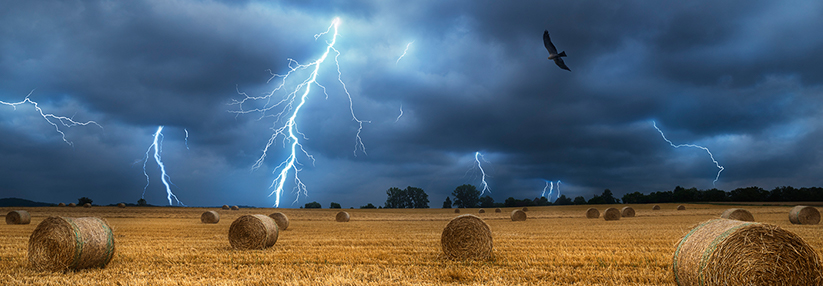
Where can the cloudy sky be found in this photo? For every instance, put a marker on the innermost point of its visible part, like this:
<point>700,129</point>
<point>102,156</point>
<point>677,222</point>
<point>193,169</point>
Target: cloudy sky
<point>742,78</point>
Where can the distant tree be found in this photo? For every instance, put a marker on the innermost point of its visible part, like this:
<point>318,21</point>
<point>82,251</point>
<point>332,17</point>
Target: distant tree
<point>486,202</point>
<point>609,198</point>
<point>447,204</point>
<point>334,205</point>
<point>411,197</point>
<point>466,196</point>
<point>83,201</point>
<point>369,206</point>
<point>749,194</point>
<point>563,200</point>
<point>141,202</point>
<point>510,202</point>
<point>543,201</point>
<point>395,198</point>
<point>579,200</point>
<point>635,198</point>
<point>313,205</point>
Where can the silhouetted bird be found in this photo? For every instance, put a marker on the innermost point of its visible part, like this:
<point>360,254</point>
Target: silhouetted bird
<point>553,55</point>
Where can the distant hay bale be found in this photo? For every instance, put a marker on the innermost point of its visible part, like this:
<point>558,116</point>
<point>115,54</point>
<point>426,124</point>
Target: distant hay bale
<point>281,219</point>
<point>210,217</point>
<point>457,211</point>
<point>611,214</point>
<point>61,205</point>
<point>737,214</point>
<point>234,208</point>
<point>525,209</point>
<point>253,232</point>
<point>498,210</point>
<point>482,211</point>
<point>226,207</point>
<point>467,237</point>
<point>121,205</point>
<point>804,215</point>
<point>681,208</point>
<point>18,217</point>
<point>72,204</point>
<point>87,205</point>
<point>518,215</point>
<point>63,243</point>
<point>627,212</point>
<point>592,213</point>
<point>342,217</point>
<point>732,252</point>
<point>656,208</point>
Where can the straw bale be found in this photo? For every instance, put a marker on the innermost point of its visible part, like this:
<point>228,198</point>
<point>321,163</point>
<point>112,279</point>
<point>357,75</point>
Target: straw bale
<point>681,208</point>
<point>737,214</point>
<point>63,243</point>
<point>656,208</point>
<point>804,215</point>
<point>18,217</point>
<point>253,232</point>
<point>467,237</point>
<point>627,212</point>
<point>592,213</point>
<point>732,252</point>
<point>518,215</point>
<point>482,211</point>
<point>121,205</point>
<point>498,210</point>
<point>226,207</point>
<point>61,205</point>
<point>342,217</point>
<point>210,217</point>
<point>456,210</point>
<point>72,204</point>
<point>611,214</point>
<point>87,205</point>
<point>234,208</point>
<point>281,219</point>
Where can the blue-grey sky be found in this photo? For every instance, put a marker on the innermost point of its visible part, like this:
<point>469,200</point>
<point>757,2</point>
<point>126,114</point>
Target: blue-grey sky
<point>742,78</point>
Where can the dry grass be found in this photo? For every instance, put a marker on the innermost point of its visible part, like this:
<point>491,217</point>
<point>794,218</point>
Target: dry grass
<point>555,246</point>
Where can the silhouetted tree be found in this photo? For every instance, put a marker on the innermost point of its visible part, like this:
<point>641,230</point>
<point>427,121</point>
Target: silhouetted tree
<point>486,202</point>
<point>608,197</point>
<point>578,200</point>
<point>466,196</point>
<point>334,205</point>
<point>369,206</point>
<point>447,204</point>
<point>83,201</point>
<point>141,202</point>
<point>410,197</point>
<point>563,200</point>
<point>313,205</point>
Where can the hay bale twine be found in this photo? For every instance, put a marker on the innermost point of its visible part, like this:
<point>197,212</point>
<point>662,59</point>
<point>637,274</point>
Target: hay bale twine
<point>63,243</point>
<point>281,219</point>
<point>226,207</point>
<point>61,205</point>
<point>627,212</point>
<point>210,217</point>
<point>467,237</point>
<point>592,213</point>
<point>681,208</point>
<point>87,205</point>
<point>72,204</point>
<point>342,217</point>
<point>498,210</point>
<point>253,232</point>
<point>482,211</point>
<point>18,217</point>
<point>804,215</point>
<point>611,214</point>
<point>518,215</point>
<point>234,208</point>
<point>121,205</point>
<point>737,214</point>
<point>732,252</point>
<point>525,209</point>
<point>457,211</point>
<point>656,208</point>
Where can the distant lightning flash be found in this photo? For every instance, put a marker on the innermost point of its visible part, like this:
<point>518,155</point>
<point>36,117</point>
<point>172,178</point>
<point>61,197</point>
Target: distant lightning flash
<point>65,121</point>
<point>401,114</point>
<point>157,145</point>
<point>187,138</point>
<point>404,52</point>
<point>477,157</point>
<point>720,168</point>
<point>287,114</point>
<point>550,186</point>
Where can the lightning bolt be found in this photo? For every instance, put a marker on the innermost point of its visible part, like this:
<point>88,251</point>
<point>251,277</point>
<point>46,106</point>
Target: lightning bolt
<point>720,168</point>
<point>485,185</point>
<point>558,190</point>
<point>65,121</point>
<point>404,52</point>
<point>286,110</point>
<point>187,138</point>
<point>157,145</point>
<point>550,186</point>
<point>401,114</point>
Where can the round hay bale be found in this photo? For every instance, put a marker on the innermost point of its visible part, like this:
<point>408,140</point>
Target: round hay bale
<point>525,209</point>
<point>226,207</point>
<point>627,212</point>
<point>737,214</point>
<point>681,208</point>
<point>518,215</point>
<point>592,213</point>
<point>210,217</point>
<point>467,237</point>
<point>121,205</point>
<point>732,252</point>
<point>498,210</point>
<point>72,204</point>
<point>253,232</point>
<point>656,208</point>
<point>457,211</point>
<point>482,211</point>
<point>342,217</point>
<point>804,215</point>
<point>63,243</point>
<point>87,205</point>
<point>611,214</point>
<point>18,217</point>
<point>61,205</point>
<point>281,219</point>
<point>234,208</point>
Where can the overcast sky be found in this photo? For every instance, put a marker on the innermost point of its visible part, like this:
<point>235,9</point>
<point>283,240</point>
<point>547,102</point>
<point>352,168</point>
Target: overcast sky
<point>742,78</point>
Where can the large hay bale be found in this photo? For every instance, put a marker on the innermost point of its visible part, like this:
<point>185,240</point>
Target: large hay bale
<point>342,217</point>
<point>611,214</point>
<point>63,243</point>
<point>61,205</point>
<point>457,211</point>
<point>226,207</point>
<point>627,212</point>
<point>656,208</point>
<point>737,214</point>
<point>87,205</point>
<point>72,204</point>
<point>467,237</point>
<point>498,210</point>
<point>482,211</point>
<point>592,213</point>
<point>234,208</point>
<point>732,252</point>
<point>18,217</point>
<point>253,232</point>
<point>518,215</point>
<point>281,219</point>
<point>681,208</point>
<point>121,205</point>
<point>210,217</point>
<point>804,215</point>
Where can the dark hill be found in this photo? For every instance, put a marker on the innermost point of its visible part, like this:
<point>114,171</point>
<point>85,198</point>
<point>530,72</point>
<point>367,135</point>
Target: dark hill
<point>15,202</point>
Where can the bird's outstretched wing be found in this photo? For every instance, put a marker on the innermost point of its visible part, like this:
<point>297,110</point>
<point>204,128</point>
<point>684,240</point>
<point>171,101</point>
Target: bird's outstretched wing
<point>548,43</point>
<point>561,64</point>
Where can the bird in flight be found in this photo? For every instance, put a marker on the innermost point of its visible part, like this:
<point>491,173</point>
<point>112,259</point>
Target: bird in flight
<point>553,55</point>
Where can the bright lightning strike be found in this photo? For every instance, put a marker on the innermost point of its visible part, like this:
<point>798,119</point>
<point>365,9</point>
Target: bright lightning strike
<point>550,187</point>
<point>286,110</point>
<point>187,138</point>
<point>485,185</point>
<point>404,52</point>
<point>720,168</point>
<point>401,114</point>
<point>157,145</point>
<point>65,121</point>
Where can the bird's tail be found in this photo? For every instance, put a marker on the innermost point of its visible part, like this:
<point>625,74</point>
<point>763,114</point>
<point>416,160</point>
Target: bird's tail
<point>562,54</point>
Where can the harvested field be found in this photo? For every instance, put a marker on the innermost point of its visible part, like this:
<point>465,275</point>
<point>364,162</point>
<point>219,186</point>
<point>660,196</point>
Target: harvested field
<point>170,246</point>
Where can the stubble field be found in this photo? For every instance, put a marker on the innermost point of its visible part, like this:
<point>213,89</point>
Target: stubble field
<point>556,245</point>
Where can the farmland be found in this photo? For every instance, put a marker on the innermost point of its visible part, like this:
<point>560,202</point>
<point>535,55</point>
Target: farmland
<point>555,245</point>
